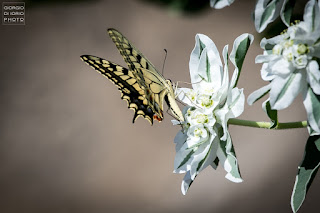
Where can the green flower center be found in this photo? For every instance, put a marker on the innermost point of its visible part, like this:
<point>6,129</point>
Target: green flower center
<point>202,118</point>
<point>206,101</point>
<point>302,49</point>
<point>197,132</point>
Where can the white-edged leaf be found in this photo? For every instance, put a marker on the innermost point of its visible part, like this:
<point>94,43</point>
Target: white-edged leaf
<point>286,11</point>
<point>258,94</point>
<point>205,60</point>
<point>312,16</point>
<point>311,103</point>
<point>228,159</point>
<point>233,108</point>
<point>186,183</point>
<point>306,172</point>
<point>265,12</point>
<point>272,114</point>
<point>201,161</point>
<point>312,132</point>
<point>219,4</point>
<point>285,90</point>
<point>239,50</point>
<point>313,76</point>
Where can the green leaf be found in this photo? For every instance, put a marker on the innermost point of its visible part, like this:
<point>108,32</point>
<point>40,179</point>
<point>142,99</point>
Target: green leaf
<point>286,11</point>
<point>306,172</point>
<point>272,114</point>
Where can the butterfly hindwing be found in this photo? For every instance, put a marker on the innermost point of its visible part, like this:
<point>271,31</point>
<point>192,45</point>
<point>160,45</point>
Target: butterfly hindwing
<point>130,90</point>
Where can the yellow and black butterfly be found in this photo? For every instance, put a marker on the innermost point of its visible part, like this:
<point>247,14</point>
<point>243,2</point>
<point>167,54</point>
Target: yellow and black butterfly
<point>142,86</point>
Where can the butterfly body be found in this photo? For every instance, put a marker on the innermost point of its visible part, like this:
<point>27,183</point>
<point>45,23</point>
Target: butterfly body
<point>142,86</point>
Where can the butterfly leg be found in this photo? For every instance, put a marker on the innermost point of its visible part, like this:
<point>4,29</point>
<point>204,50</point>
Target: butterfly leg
<point>176,85</point>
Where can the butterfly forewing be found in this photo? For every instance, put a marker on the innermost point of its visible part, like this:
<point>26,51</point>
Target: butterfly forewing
<point>127,83</point>
<point>132,56</point>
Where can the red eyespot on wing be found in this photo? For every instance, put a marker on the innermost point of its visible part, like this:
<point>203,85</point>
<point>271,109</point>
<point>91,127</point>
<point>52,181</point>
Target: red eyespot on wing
<point>156,117</point>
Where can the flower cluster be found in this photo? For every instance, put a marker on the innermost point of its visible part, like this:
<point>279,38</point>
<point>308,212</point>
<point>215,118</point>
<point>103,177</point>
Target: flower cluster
<point>212,101</point>
<point>290,65</point>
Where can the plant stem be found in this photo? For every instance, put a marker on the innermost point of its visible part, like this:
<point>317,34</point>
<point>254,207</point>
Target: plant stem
<point>267,125</point>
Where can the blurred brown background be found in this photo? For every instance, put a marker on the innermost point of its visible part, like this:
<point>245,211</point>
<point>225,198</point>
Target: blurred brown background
<point>67,139</point>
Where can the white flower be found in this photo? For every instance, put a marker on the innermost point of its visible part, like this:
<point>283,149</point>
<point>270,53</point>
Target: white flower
<point>289,64</point>
<point>212,101</point>
<point>197,116</point>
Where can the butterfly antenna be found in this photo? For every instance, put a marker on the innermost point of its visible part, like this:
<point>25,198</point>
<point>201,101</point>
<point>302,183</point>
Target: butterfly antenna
<point>165,58</point>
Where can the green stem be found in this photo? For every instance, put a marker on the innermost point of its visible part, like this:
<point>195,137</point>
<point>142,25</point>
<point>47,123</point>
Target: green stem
<point>267,125</point>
